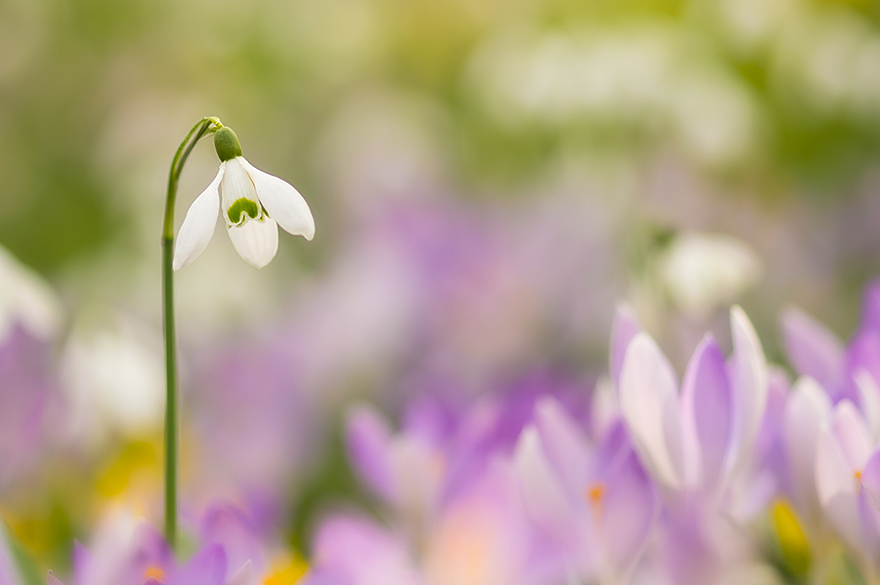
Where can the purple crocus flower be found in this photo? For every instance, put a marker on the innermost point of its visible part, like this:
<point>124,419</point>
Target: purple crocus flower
<point>479,537</point>
<point>850,371</point>
<point>352,550</point>
<point>595,502</point>
<point>26,393</point>
<point>848,482</point>
<point>698,441</point>
<point>126,551</point>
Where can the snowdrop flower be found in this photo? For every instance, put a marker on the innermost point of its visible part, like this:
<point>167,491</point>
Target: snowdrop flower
<point>252,203</point>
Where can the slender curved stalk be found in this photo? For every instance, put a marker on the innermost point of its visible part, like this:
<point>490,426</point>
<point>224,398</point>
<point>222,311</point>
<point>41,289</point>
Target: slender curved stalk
<point>204,127</point>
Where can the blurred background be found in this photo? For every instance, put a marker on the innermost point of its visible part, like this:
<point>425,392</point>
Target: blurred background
<point>488,178</point>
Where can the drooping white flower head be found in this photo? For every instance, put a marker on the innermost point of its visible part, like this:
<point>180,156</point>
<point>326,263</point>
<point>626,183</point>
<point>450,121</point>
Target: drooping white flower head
<point>253,204</point>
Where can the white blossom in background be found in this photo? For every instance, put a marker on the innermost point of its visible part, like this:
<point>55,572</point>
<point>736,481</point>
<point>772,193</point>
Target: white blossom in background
<point>641,75</point>
<point>26,300</point>
<point>113,376</point>
<point>702,272</point>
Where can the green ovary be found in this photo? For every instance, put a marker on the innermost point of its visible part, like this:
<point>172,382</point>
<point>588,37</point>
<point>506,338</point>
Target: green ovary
<point>240,207</point>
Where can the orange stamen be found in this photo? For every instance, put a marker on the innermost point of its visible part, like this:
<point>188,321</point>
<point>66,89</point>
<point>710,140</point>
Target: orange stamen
<point>155,573</point>
<point>595,493</point>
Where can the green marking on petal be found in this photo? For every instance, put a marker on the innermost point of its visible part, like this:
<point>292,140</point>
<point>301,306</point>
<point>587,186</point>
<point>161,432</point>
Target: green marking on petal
<point>240,207</point>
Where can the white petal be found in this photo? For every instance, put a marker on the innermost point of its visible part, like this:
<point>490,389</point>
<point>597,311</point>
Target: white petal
<point>836,489</point>
<point>255,241</point>
<point>649,404</point>
<point>852,433</point>
<point>198,225</point>
<point>563,442</point>
<point>806,410</point>
<point>284,203</point>
<point>236,184</point>
<point>542,493</point>
<point>833,473</point>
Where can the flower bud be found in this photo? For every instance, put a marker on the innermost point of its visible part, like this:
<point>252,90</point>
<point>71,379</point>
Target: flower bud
<point>226,144</point>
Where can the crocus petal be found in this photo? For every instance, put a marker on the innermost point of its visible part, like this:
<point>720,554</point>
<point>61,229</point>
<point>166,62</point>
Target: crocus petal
<point>869,495</point>
<point>368,439</point>
<point>869,399</point>
<point>749,380</point>
<point>836,489</point>
<point>707,410</point>
<point>842,511</point>
<point>255,241</point>
<point>198,225</point>
<point>604,408</point>
<point>649,403</point>
<point>806,411</point>
<point>871,306</point>
<point>564,443</point>
<point>543,495</point>
<point>813,349</point>
<point>624,329</point>
<point>852,433</point>
<point>207,567</point>
<point>51,579</point>
<point>629,509</point>
<point>243,576</point>
<point>360,551</point>
<point>862,353</point>
<point>833,473</point>
<point>228,526</point>
<point>284,203</point>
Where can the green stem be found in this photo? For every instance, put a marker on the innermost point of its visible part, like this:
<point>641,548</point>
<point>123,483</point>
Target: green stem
<point>204,127</point>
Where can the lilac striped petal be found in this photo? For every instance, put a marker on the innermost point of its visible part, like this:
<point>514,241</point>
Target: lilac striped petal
<point>814,350</point>
<point>749,386</point>
<point>649,404</point>
<point>52,580</point>
<point>707,411</point>
<point>368,439</point>
<point>625,327</point>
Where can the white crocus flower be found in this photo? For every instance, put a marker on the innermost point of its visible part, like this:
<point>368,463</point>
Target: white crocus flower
<point>253,204</point>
